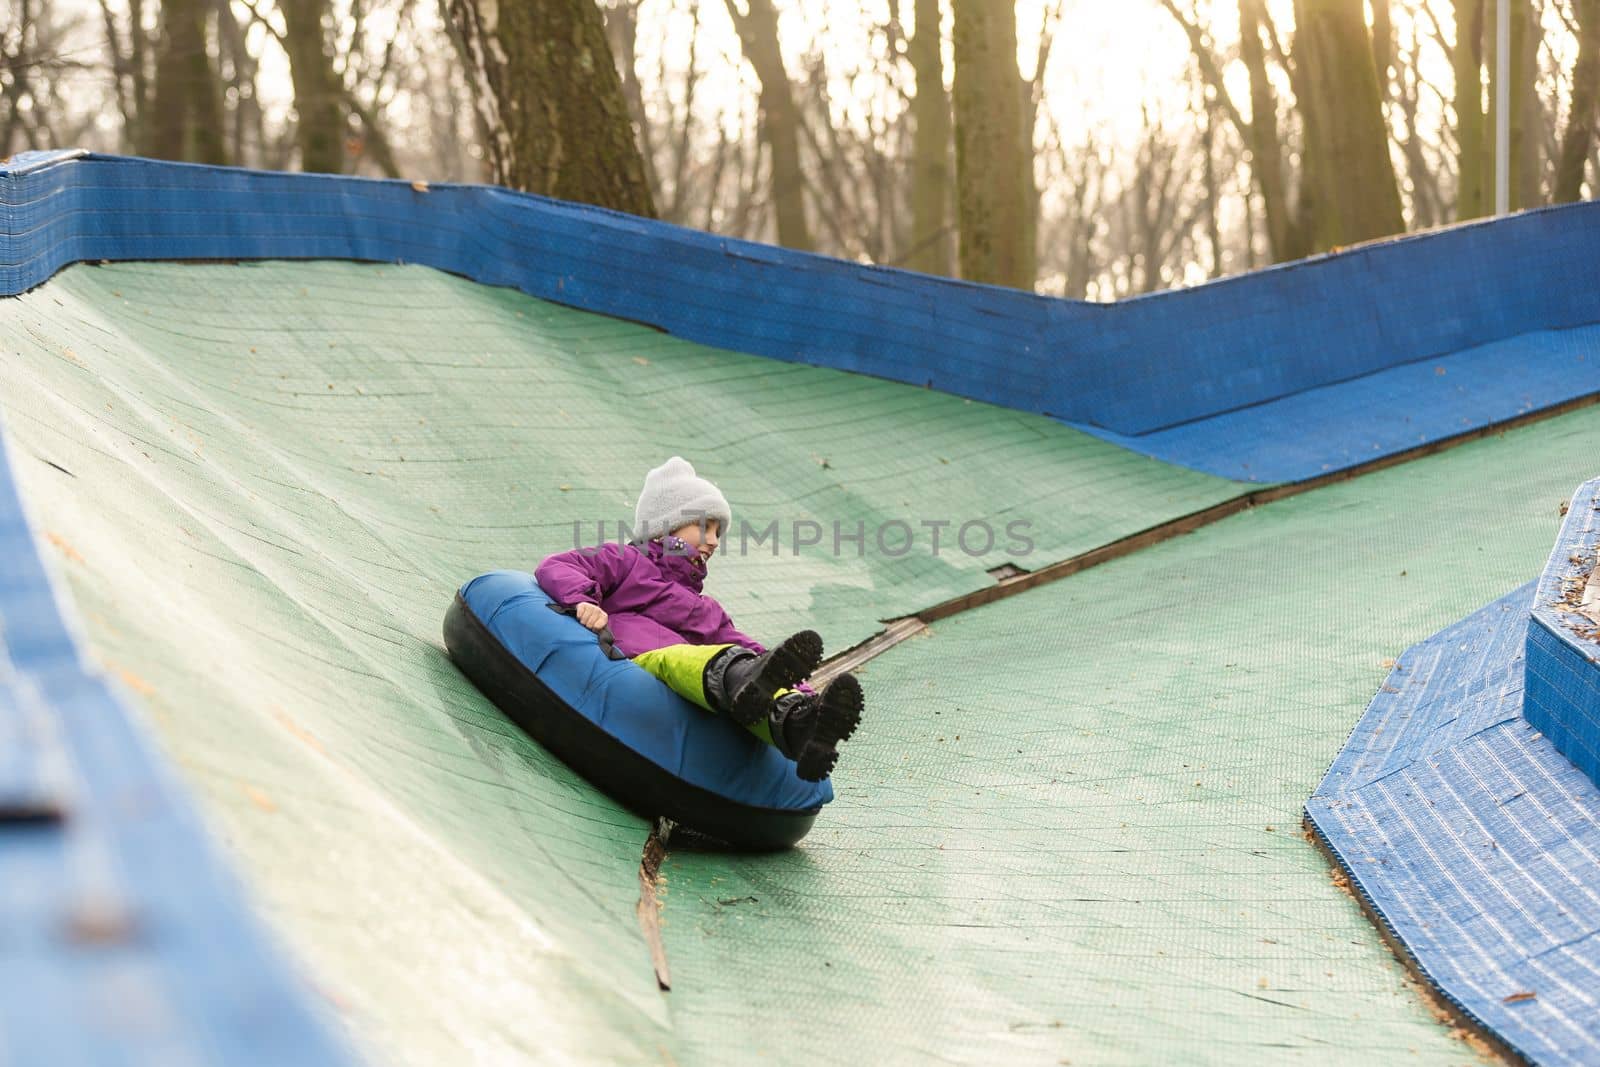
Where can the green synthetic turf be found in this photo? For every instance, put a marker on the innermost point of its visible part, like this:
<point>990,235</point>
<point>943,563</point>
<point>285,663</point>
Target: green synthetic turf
<point>1072,826</point>
<point>1051,840</point>
<point>470,427</point>
<point>264,482</point>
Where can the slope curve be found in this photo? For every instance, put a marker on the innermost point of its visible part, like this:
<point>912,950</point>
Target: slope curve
<point>263,483</point>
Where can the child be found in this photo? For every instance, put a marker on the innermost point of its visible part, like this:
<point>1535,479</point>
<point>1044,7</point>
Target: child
<point>648,593</point>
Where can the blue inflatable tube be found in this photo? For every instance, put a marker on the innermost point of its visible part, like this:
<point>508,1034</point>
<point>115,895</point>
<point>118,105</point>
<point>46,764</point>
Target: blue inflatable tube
<point>618,725</point>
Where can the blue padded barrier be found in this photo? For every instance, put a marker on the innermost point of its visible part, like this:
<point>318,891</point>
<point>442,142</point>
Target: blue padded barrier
<point>1331,427</point>
<point>123,938</point>
<point>35,774</point>
<point>1564,638</point>
<point>1350,338</point>
<point>1474,841</point>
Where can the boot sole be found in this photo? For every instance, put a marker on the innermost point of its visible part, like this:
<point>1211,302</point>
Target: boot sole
<point>837,719</point>
<point>787,664</point>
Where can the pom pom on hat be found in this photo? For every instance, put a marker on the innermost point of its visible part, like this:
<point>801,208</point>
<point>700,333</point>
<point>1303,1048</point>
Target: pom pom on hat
<point>675,496</point>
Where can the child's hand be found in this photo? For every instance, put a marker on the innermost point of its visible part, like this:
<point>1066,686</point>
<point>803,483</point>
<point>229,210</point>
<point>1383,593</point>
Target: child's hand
<point>591,616</point>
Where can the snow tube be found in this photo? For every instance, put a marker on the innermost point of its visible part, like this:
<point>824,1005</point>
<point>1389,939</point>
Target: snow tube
<point>618,725</point>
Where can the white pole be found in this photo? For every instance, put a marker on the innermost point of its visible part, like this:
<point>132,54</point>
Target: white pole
<point>1502,109</point>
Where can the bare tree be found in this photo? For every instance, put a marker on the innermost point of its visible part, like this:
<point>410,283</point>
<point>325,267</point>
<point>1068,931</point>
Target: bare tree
<point>757,26</point>
<point>1577,141</point>
<point>1211,186</point>
<point>1149,208</point>
<point>44,68</point>
<point>20,59</point>
<point>700,174</point>
<point>855,220</point>
<point>1288,230</point>
<point>1072,232</point>
<point>188,118</point>
<point>932,180</point>
<point>1347,143</point>
<point>319,97</point>
<point>1288,218</point>
<point>1473,161</point>
<point>556,117</point>
<point>1422,172</point>
<point>994,154</point>
<point>368,79</point>
<point>1383,44</point>
<point>129,49</point>
<point>1527,113</point>
<point>622,31</point>
<point>238,67</point>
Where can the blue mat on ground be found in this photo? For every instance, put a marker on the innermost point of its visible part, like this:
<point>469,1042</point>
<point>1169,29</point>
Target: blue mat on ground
<point>125,940</point>
<point>1475,841</point>
<point>1332,427</point>
<point>1279,375</point>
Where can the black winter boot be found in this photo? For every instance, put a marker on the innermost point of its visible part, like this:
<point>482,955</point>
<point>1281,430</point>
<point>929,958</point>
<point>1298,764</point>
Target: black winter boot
<point>741,683</point>
<point>809,729</point>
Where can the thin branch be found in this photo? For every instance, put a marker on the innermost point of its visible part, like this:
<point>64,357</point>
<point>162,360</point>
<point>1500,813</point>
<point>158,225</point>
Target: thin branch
<point>1210,69</point>
<point>257,18</point>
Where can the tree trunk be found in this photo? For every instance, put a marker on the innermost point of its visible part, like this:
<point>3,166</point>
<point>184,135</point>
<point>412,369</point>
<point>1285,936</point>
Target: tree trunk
<point>127,71</point>
<point>1382,44</point>
<point>1579,136</point>
<point>1213,195</point>
<point>246,123</point>
<point>1527,113</point>
<point>1347,149</point>
<point>15,38</point>
<point>780,118</point>
<point>318,94</point>
<point>932,187</point>
<point>1032,90</point>
<point>547,90</point>
<point>374,141</point>
<point>188,123</point>
<point>1472,191</point>
<point>622,30</point>
<point>993,156</point>
<point>138,53</point>
<point>1261,137</point>
<point>1425,213</point>
<point>1032,200</point>
<point>1250,261</point>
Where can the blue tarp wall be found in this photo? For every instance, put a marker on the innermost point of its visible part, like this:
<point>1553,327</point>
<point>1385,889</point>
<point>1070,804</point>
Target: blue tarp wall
<point>1199,377</point>
<point>1473,840</point>
<point>123,937</point>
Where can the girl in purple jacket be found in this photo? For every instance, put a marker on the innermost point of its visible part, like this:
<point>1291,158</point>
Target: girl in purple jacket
<point>647,595</point>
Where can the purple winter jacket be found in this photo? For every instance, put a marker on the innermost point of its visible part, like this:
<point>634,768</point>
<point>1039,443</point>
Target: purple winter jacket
<point>651,596</point>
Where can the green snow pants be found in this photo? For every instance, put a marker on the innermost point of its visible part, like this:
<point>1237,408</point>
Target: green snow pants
<point>683,669</point>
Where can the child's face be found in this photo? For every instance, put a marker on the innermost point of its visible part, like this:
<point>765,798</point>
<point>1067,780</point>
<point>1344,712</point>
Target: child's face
<point>702,536</point>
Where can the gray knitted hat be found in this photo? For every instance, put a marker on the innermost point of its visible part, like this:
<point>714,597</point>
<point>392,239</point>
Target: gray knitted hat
<point>675,496</point>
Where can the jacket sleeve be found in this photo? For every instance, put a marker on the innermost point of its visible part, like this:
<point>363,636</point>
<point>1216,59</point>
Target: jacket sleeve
<point>696,616</point>
<point>582,575</point>
<point>725,633</point>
